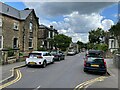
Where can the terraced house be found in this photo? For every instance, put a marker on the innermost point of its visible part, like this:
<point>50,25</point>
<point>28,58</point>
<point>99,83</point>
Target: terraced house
<point>45,34</point>
<point>18,28</point>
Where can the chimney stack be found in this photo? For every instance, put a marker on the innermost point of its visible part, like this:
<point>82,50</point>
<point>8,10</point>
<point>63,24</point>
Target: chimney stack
<point>51,27</point>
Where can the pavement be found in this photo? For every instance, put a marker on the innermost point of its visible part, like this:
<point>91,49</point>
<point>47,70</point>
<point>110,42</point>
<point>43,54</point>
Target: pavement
<point>110,83</point>
<point>6,70</point>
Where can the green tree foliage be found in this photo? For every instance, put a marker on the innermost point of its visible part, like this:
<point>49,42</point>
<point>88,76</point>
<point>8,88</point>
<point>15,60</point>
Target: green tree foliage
<point>95,36</point>
<point>115,31</point>
<point>81,44</point>
<point>62,41</point>
<point>103,47</point>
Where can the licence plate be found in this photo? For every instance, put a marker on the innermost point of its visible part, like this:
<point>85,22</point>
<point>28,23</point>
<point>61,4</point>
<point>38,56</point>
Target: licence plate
<point>32,63</point>
<point>94,65</point>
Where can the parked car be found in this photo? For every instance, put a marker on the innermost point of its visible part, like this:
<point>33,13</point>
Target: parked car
<point>71,52</point>
<point>95,53</point>
<point>39,58</point>
<point>95,65</point>
<point>58,55</point>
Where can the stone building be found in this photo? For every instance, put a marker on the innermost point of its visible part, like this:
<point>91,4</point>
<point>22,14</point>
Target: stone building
<point>113,44</point>
<point>44,35</point>
<point>19,28</point>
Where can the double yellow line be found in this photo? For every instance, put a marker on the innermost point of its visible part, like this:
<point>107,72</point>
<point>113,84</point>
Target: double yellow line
<point>89,82</point>
<point>19,76</point>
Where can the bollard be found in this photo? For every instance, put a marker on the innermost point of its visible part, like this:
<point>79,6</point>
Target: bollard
<point>5,56</point>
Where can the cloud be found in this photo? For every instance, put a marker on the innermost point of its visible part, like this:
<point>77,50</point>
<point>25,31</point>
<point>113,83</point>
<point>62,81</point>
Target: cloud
<point>63,8</point>
<point>77,26</point>
<point>78,18</point>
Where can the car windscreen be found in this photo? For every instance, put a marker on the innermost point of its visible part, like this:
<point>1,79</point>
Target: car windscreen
<point>31,55</point>
<point>95,60</point>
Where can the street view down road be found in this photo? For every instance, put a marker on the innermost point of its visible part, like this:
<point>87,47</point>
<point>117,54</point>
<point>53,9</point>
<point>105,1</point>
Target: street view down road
<point>59,44</point>
<point>67,73</point>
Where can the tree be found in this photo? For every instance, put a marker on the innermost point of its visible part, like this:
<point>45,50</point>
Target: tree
<point>115,31</point>
<point>62,41</point>
<point>95,36</point>
<point>81,44</point>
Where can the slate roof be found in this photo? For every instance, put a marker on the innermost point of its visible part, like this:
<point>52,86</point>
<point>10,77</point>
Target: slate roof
<point>10,11</point>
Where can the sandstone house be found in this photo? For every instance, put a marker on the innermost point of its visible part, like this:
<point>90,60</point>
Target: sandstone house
<point>18,28</point>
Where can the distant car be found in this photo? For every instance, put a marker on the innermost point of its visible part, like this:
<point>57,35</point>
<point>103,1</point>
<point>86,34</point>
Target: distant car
<point>95,53</point>
<point>71,52</point>
<point>58,55</point>
<point>95,65</point>
<point>39,58</point>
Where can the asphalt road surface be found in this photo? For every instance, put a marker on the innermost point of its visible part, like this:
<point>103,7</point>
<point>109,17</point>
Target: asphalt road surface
<point>67,73</point>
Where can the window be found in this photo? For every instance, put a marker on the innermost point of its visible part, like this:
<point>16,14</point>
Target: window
<point>32,55</point>
<point>0,22</point>
<point>49,34</point>
<point>31,27</point>
<point>112,44</point>
<point>42,42</point>
<point>1,42</point>
<point>95,60</point>
<point>46,54</point>
<point>53,34</point>
<point>15,43</point>
<point>30,43</point>
<point>16,26</point>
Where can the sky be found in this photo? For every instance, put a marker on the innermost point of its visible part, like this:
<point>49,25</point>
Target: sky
<point>74,19</point>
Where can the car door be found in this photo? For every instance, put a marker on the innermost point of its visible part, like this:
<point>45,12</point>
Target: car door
<point>47,57</point>
<point>61,54</point>
<point>50,57</point>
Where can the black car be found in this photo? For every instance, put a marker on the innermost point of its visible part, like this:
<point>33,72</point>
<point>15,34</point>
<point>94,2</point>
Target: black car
<point>58,55</point>
<point>95,65</point>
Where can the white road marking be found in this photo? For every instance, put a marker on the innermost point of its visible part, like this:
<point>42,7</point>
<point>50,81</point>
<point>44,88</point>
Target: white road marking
<point>37,88</point>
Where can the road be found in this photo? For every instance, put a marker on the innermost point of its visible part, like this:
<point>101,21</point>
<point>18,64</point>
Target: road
<point>67,73</point>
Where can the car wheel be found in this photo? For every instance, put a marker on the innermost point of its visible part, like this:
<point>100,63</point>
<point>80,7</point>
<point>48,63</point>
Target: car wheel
<point>85,70</point>
<point>44,64</point>
<point>27,65</point>
<point>104,73</point>
<point>63,58</point>
<point>52,61</point>
<point>59,59</point>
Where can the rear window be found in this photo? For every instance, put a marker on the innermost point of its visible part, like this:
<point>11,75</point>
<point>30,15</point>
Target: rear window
<point>54,52</point>
<point>71,50</point>
<point>95,60</point>
<point>95,55</point>
<point>35,54</point>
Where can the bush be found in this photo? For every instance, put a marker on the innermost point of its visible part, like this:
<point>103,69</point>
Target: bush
<point>41,49</point>
<point>10,52</point>
<point>103,47</point>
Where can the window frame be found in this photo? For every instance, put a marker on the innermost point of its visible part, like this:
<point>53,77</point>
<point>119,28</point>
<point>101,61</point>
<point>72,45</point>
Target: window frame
<point>31,27</point>
<point>31,44</point>
<point>16,42</point>
<point>14,26</point>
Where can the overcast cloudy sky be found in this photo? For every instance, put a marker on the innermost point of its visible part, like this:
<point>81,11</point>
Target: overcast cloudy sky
<point>74,19</point>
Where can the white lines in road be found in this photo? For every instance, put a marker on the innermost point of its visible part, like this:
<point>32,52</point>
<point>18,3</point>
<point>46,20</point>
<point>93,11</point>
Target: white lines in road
<point>90,82</point>
<point>37,88</point>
